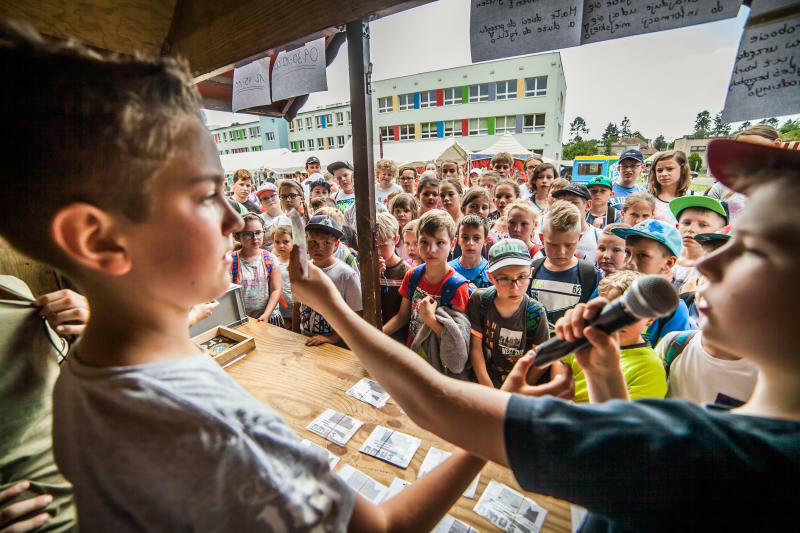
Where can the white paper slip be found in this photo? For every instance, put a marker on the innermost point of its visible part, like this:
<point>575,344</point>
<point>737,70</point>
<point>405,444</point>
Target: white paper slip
<point>509,510</point>
<point>452,525</point>
<point>332,458</point>
<point>369,391</point>
<point>363,484</point>
<point>576,515</point>
<point>396,487</point>
<point>434,458</point>
<point>391,446</point>
<point>334,426</point>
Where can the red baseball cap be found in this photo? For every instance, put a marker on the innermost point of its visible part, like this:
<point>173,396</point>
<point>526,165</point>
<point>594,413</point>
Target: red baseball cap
<point>737,163</point>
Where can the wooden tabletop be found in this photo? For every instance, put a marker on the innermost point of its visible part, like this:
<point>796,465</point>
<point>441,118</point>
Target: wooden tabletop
<point>300,382</point>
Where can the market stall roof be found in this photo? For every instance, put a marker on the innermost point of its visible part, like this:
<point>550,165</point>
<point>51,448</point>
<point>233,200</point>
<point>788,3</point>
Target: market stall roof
<point>506,143</point>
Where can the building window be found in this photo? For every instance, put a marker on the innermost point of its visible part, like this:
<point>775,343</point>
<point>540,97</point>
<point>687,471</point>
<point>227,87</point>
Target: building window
<point>349,120</point>
<point>405,102</point>
<point>697,149</point>
<point>339,141</point>
<point>428,130</point>
<point>506,89</point>
<point>329,120</point>
<point>299,124</point>
<point>270,136</point>
<point>311,144</point>
<point>291,125</point>
<point>387,133</point>
<point>340,119</point>
<point>505,124</point>
<point>479,93</point>
<point>385,104</point>
<point>320,143</point>
<point>301,146</point>
<point>536,86</point>
<point>406,132</point>
<point>254,132</point>
<point>452,96</point>
<point>427,99</point>
<point>533,123</point>
<point>318,120</point>
<point>452,128</point>
<point>330,143</point>
<point>227,152</point>
<point>479,126</point>
<point>309,123</point>
<point>256,149</point>
<point>224,136</point>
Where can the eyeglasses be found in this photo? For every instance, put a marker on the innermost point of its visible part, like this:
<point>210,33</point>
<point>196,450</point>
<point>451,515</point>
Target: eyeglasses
<point>631,167</point>
<point>508,282</point>
<point>290,196</point>
<point>406,178</point>
<point>250,234</point>
<point>268,198</point>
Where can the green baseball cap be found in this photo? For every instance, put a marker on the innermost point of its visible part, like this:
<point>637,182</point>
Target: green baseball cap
<point>703,202</point>
<point>600,180</point>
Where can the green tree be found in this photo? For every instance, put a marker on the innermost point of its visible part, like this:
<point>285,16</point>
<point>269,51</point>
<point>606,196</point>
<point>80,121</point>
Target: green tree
<point>579,148</point>
<point>625,127</point>
<point>743,126</point>
<point>702,124</point>
<point>610,133</point>
<point>721,128</point>
<point>771,121</point>
<point>695,161</point>
<point>660,143</point>
<point>577,129</point>
<point>789,125</point>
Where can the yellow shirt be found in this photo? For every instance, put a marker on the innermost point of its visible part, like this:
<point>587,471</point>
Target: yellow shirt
<point>642,368</point>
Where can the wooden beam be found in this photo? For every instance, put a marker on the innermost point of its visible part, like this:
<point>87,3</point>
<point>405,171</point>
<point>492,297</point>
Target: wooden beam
<point>215,35</point>
<point>361,114</point>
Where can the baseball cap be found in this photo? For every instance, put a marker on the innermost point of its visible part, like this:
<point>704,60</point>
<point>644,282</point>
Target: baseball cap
<point>654,229</point>
<point>508,252</point>
<point>477,171</point>
<point>319,182</point>
<point>333,167</point>
<point>267,187</point>
<point>722,234</point>
<point>326,224</point>
<point>578,189</point>
<point>632,154</point>
<point>736,163</point>
<point>599,180</point>
<point>311,160</point>
<point>703,202</point>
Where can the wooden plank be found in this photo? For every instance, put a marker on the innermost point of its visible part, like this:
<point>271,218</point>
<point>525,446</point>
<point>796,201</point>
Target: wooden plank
<point>126,26</point>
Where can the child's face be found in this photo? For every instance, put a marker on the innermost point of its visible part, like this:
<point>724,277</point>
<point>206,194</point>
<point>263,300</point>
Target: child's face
<point>649,256</point>
<point>242,190</point>
<point>580,202</point>
<point>543,181</point>
<point>408,182</point>
<point>488,183</point>
<point>434,248</point>
<point>511,282</point>
<point>386,248</point>
<point>403,216</point>
<point>252,236</point>
<point>638,212</point>
<point>290,199</point>
<point>471,241</point>
<point>430,166</point>
<point>451,200</point>
<point>560,246</point>
<point>610,255</point>
<point>410,244</point>
<point>345,179</point>
<point>503,195</point>
<point>695,221</point>
<point>520,225</point>
<point>282,244</point>
<point>668,174</point>
<point>600,195</point>
<point>504,169</point>
<point>269,201</point>
<point>320,245</point>
<point>429,197</point>
<point>449,170</point>
<point>478,206</point>
<point>473,180</point>
<point>385,179</point>
<point>629,171</point>
<point>319,192</point>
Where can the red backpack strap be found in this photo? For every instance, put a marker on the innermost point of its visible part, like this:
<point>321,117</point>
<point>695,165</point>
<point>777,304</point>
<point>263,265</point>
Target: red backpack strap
<point>235,267</point>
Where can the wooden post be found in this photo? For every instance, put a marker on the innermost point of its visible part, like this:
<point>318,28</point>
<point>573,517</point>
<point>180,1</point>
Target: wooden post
<point>363,178</point>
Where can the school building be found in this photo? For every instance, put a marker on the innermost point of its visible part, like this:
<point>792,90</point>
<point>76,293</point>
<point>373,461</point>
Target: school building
<point>324,128</point>
<point>266,133</point>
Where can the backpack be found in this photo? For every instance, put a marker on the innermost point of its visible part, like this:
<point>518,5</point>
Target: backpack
<point>677,346</point>
<point>611,214</point>
<point>586,277</point>
<point>534,312</point>
<point>265,256</point>
<point>449,288</point>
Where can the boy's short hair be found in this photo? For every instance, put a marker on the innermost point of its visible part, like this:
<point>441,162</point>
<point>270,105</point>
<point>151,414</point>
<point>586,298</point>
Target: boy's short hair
<point>386,165</point>
<point>242,175</point>
<point>104,125</point>
<point>322,201</point>
<point>526,205</point>
<point>403,169</point>
<point>639,197</point>
<point>563,217</point>
<point>620,280</point>
<point>281,230</point>
<point>411,227</point>
<point>405,201</point>
<point>436,220</point>
<point>386,227</point>
<point>502,157</point>
<point>608,227</point>
<point>332,212</point>
<point>557,184</point>
<point>474,221</point>
<point>473,194</point>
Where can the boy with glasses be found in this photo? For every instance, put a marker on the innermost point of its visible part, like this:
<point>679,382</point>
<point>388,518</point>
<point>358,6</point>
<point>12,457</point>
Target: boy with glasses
<point>631,165</point>
<point>408,180</point>
<point>268,198</point>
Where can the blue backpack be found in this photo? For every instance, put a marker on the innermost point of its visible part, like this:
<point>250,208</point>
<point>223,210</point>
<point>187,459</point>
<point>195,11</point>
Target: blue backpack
<point>449,288</point>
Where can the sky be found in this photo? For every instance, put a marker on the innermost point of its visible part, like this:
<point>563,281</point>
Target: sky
<point>660,81</point>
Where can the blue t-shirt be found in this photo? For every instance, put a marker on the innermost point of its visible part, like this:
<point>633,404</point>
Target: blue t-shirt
<point>620,193</point>
<point>558,291</point>
<point>677,321</point>
<point>477,276</point>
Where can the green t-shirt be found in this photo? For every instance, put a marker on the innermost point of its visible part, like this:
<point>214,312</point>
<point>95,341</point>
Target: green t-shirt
<point>642,368</point>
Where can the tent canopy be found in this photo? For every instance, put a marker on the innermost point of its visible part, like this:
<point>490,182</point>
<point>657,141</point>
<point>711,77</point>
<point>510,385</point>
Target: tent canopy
<point>506,143</point>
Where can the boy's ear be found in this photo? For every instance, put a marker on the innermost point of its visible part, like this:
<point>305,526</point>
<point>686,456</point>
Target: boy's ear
<point>89,236</point>
<point>671,260</point>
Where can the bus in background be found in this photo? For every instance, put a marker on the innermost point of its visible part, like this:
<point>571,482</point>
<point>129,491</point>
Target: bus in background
<point>585,168</point>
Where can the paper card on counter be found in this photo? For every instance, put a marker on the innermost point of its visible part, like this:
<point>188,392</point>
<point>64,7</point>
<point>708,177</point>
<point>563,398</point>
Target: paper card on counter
<point>334,426</point>
<point>450,524</point>
<point>332,458</point>
<point>509,510</point>
<point>369,391</point>
<point>300,71</point>
<point>396,487</point>
<point>391,446</point>
<point>434,458</point>
<point>251,85</point>
<point>363,484</point>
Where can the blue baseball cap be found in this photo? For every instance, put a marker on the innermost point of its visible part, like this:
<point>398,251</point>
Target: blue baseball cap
<point>326,224</point>
<point>657,230</point>
<point>632,154</point>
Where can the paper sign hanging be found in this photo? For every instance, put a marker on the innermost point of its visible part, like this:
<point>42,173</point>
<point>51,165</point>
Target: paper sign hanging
<point>504,28</point>
<point>766,75</point>
<point>300,71</point>
<point>759,7</point>
<point>251,85</point>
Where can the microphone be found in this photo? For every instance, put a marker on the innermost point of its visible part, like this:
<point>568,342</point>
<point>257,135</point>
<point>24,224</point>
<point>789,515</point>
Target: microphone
<point>647,297</point>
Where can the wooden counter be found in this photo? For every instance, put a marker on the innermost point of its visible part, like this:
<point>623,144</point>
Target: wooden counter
<point>300,382</point>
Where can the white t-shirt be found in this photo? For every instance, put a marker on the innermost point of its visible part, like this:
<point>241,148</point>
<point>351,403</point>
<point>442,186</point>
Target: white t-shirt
<point>587,245</point>
<point>344,200</point>
<point>382,194</point>
<point>349,285</point>
<point>699,378</point>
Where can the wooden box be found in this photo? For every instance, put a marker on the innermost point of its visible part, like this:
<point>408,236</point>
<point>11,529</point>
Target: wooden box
<point>229,313</point>
<point>224,345</point>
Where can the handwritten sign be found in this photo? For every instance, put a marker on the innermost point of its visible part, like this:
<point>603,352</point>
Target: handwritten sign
<point>251,85</point>
<point>611,19</point>
<point>759,7</point>
<point>504,28</point>
<point>766,75</point>
<point>300,71</point>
